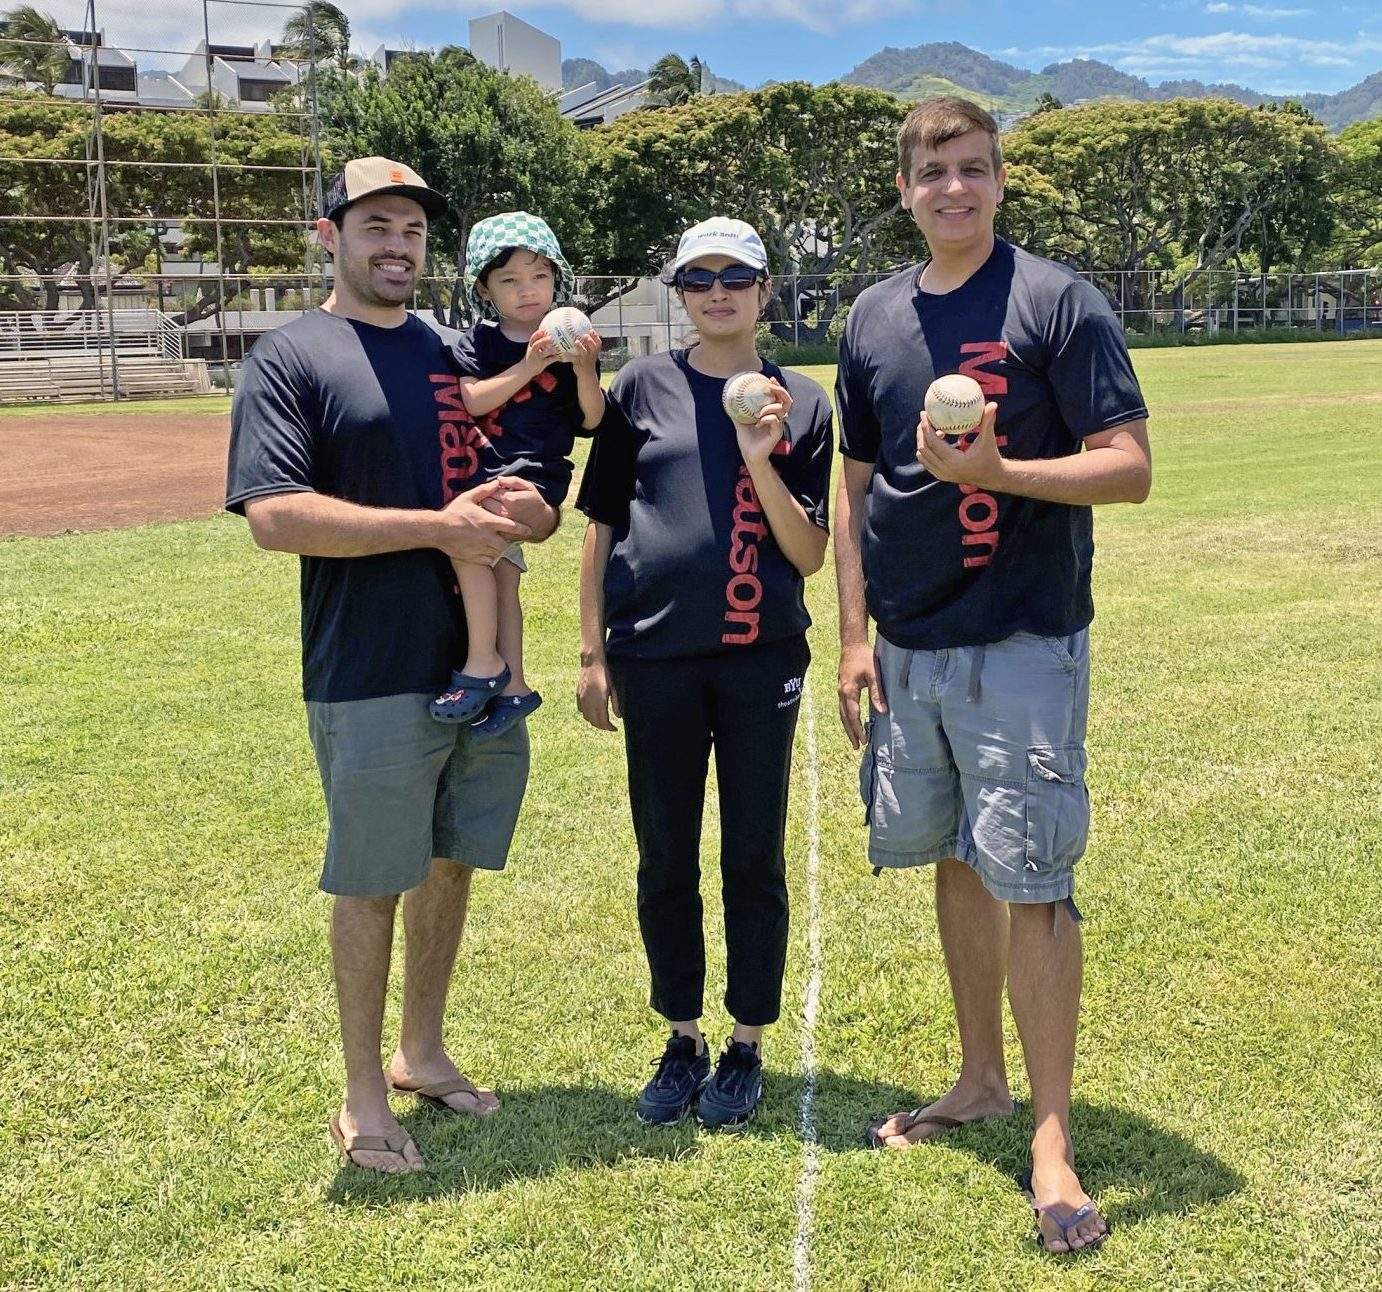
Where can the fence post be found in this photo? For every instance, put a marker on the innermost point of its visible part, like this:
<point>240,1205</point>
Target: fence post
<point>796,311</point>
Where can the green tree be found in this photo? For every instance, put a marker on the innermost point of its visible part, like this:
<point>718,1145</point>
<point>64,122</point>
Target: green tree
<point>41,254</point>
<point>319,30</point>
<point>810,167</point>
<point>32,47</point>
<point>1355,197</point>
<point>488,141</point>
<point>672,81</point>
<point>1184,185</point>
<point>1047,102</point>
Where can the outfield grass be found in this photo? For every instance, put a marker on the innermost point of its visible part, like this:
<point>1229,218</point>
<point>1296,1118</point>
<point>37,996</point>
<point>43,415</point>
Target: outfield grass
<point>168,406</point>
<point>167,1034</point>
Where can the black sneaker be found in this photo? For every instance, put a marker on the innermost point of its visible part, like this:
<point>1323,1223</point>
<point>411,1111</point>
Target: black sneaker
<point>732,1094</point>
<point>681,1073</point>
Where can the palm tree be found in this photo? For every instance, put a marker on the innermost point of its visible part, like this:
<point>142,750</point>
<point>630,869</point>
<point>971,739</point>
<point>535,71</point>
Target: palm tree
<point>32,47</point>
<point>672,82</point>
<point>319,30</point>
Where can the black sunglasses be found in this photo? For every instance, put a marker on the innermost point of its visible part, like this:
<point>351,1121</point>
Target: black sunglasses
<point>735,278</point>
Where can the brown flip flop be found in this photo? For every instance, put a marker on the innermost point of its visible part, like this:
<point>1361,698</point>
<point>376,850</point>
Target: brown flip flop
<point>349,1145</point>
<point>435,1094</point>
<point>920,1117</point>
<point>917,1117</point>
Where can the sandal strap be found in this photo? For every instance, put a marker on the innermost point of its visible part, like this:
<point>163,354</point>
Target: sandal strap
<point>440,1089</point>
<point>394,1143</point>
<point>920,1117</point>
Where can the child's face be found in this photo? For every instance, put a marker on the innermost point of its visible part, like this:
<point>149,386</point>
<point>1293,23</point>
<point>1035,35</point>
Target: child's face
<point>521,289</point>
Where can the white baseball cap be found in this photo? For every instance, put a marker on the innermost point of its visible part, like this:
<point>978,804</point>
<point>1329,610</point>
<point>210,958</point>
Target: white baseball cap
<point>720,236</point>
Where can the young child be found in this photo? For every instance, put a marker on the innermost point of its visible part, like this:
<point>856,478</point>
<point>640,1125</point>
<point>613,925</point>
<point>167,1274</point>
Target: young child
<point>526,404</point>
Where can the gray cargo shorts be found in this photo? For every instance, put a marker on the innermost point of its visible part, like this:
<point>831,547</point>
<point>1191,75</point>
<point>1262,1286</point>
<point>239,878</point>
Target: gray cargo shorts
<point>981,756</point>
<point>402,788</point>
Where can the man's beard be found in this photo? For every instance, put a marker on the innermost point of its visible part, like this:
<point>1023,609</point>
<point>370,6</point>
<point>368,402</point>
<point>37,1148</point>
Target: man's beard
<point>357,276</point>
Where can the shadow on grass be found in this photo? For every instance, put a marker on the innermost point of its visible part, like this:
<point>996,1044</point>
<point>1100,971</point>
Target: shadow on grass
<point>555,1128</point>
<point>1153,1169</point>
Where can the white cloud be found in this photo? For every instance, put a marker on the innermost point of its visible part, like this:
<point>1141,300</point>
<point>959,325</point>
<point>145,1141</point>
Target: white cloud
<point>1217,55</point>
<point>1257,10</point>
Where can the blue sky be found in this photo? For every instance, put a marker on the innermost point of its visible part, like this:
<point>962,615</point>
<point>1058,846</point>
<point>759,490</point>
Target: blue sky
<point>1273,45</point>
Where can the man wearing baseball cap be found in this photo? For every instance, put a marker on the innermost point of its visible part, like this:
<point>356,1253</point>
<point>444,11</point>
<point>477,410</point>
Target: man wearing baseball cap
<point>343,451</point>
<point>973,558</point>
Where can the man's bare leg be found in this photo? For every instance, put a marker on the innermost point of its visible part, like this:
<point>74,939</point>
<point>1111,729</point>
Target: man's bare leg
<point>361,940</point>
<point>433,916</point>
<point>1044,988</point>
<point>974,934</point>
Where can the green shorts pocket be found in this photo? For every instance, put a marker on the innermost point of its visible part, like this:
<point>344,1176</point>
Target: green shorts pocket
<point>1057,806</point>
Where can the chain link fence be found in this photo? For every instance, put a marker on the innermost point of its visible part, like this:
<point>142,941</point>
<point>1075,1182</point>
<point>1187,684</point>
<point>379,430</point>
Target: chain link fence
<point>640,316</point>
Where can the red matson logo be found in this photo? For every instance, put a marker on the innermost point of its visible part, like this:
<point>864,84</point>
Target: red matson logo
<point>978,514</point>
<point>744,590</point>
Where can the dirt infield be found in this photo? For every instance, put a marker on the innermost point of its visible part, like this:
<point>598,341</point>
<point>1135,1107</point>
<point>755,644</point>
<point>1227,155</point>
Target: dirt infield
<point>59,473</point>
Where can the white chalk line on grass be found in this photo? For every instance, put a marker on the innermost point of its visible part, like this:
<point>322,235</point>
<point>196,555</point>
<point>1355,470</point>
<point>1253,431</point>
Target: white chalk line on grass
<point>806,1185</point>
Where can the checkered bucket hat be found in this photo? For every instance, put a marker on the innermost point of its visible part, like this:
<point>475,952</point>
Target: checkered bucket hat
<point>492,237</point>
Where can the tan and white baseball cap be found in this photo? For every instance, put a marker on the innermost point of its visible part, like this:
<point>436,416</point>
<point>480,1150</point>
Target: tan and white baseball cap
<point>366,176</point>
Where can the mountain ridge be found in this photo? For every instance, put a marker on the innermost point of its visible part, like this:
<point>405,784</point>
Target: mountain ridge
<point>1015,90</point>
<point>949,67</point>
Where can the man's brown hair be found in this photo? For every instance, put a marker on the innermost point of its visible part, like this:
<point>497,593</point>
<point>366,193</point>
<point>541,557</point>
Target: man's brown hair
<point>937,121</point>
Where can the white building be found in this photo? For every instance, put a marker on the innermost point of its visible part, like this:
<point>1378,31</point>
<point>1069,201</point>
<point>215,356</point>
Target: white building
<point>91,62</point>
<point>245,76</point>
<point>589,106</point>
<point>512,45</point>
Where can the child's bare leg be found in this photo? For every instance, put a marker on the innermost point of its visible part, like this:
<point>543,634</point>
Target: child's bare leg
<point>510,631</point>
<point>479,592</point>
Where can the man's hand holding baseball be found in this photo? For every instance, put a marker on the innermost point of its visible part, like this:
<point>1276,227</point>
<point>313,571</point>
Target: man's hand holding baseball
<point>977,463</point>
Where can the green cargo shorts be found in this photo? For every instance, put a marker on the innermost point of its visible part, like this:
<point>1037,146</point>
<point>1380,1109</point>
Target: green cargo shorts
<point>402,788</point>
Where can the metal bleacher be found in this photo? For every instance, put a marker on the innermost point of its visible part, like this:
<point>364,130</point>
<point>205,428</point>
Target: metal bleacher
<point>67,355</point>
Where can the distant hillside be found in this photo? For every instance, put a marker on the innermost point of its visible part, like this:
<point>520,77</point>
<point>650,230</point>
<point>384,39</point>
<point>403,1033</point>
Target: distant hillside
<point>576,72</point>
<point>951,68</point>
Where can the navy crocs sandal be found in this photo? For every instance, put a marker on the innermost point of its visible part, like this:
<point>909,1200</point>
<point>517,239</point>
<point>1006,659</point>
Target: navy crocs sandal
<point>503,712</point>
<point>465,696</point>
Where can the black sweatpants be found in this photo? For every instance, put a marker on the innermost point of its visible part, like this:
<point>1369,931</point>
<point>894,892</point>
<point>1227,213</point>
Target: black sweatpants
<point>744,703</point>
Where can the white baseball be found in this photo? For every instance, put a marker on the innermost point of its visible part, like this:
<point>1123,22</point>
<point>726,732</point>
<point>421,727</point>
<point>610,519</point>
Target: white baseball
<point>566,325</point>
<point>746,395</point>
<point>954,404</point>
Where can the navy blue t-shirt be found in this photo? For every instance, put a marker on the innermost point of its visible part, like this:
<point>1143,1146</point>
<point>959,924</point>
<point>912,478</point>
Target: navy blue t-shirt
<point>950,565</point>
<point>533,434</point>
<point>372,415</point>
<point>694,568</point>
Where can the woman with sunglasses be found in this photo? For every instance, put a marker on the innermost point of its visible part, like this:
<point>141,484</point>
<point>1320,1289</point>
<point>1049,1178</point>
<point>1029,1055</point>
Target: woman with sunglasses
<point>693,631</point>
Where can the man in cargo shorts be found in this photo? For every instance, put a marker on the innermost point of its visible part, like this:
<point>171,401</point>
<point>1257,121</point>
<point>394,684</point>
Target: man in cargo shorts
<point>974,558</point>
<point>344,436</point>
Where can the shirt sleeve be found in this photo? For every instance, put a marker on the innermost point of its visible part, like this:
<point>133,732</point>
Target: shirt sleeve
<point>271,436</point>
<point>608,482</point>
<point>860,436</point>
<point>806,469</point>
<point>465,354</point>
<point>1090,369</point>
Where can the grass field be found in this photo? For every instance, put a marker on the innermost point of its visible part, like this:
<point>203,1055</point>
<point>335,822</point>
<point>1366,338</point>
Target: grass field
<point>167,1031</point>
<point>124,407</point>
